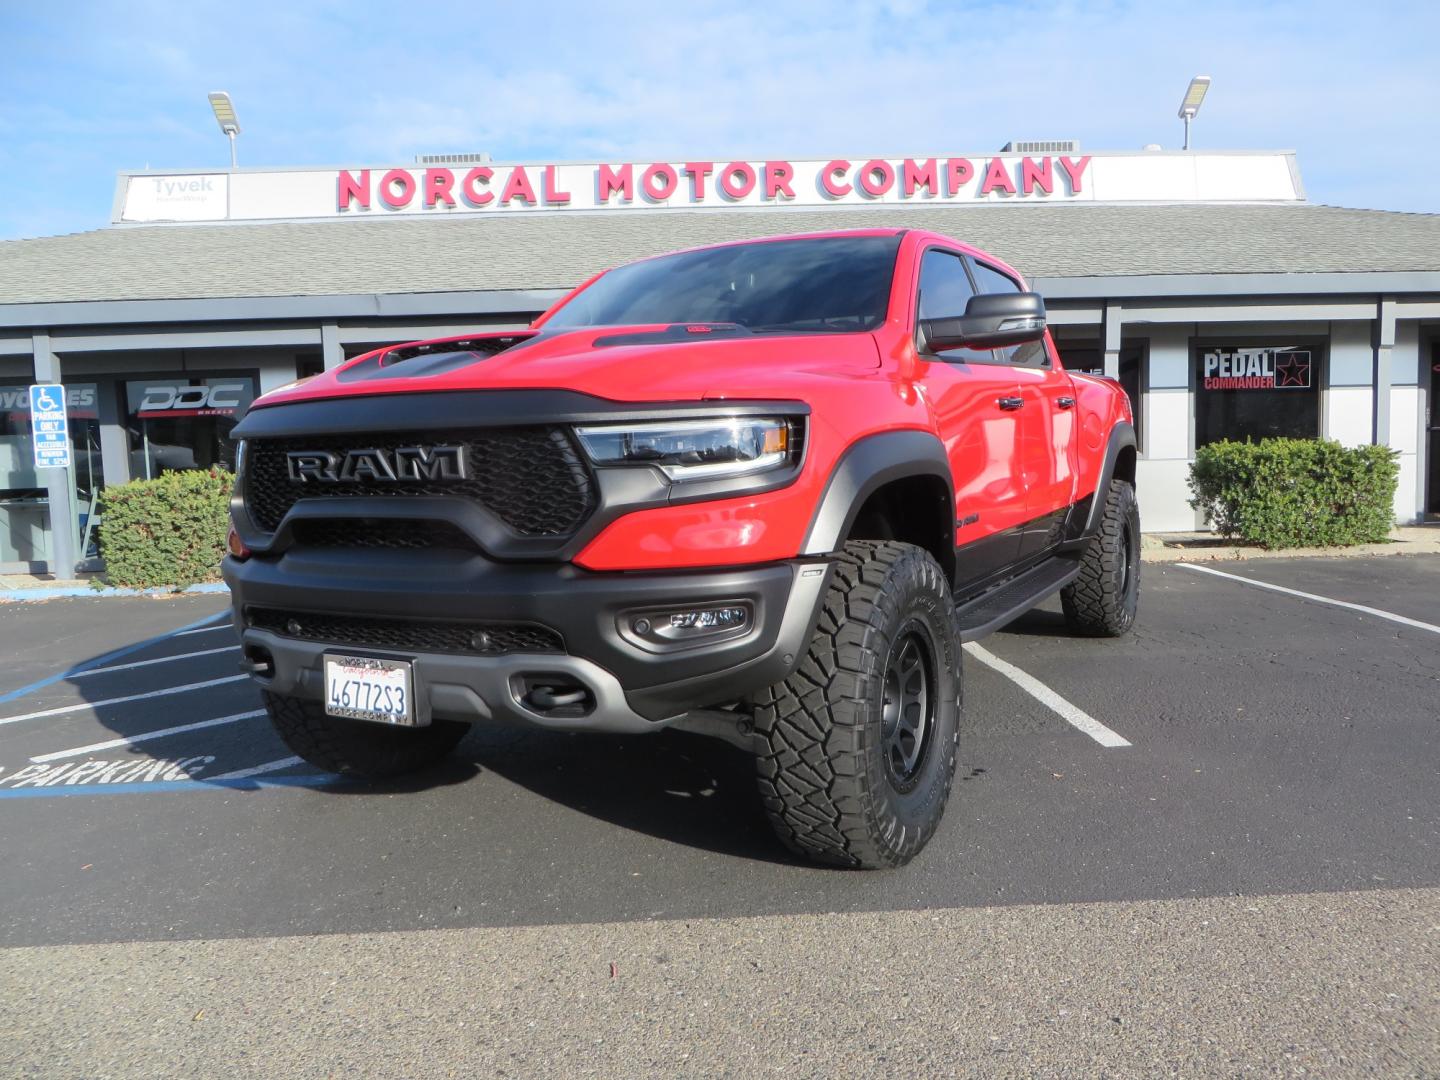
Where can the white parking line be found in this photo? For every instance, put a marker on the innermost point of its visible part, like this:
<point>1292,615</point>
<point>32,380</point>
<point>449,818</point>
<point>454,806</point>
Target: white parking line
<point>1401,619</point>
<point>119,700</point>
<point>271,766</point>
<point>205,630</point>
<point>132,739</point>
<point>1072,714</point>
<point>159,660</point>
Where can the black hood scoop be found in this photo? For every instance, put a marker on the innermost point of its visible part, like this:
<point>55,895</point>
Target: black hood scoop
<point>431,358</point>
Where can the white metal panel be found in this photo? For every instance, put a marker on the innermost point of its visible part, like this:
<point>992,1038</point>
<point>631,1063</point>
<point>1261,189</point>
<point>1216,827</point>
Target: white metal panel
<point>1163,490</point>
<point>1348,414</point>
<point>1167,424</point>
<point>1352,359</point>
<point>1405,419</point>
<point>1405,355</point>
<point>1264,177</point>
<point>1409,505</point>
<point>1169,357</point>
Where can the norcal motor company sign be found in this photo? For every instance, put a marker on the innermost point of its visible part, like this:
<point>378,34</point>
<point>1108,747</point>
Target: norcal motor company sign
<point>382,191</point>
<point>702,183</point>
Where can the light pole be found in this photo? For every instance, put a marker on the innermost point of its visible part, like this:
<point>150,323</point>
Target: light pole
<point>1194,95</point>
<point>224,111</point>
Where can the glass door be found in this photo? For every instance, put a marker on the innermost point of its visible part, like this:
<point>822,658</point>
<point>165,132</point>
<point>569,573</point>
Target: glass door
<point>1432,498</point>
<point>24,495</point>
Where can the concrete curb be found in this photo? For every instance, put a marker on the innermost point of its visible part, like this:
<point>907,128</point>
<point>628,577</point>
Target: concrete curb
<point>59,591</point>
<point>1204,547</point>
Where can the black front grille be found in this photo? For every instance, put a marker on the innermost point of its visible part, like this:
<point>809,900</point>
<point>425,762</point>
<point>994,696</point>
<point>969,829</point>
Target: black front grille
<point>405,635</point>
<point>381,533</point>
<point>534,479</point>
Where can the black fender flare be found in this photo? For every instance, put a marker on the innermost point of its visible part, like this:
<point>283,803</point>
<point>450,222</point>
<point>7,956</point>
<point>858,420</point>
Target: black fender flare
<point>1122,436</point>
<point>867,465</point>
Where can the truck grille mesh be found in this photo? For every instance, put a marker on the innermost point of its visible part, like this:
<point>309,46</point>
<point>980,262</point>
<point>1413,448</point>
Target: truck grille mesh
<point>405,635</point>
<point>532,478</point>
<point>385,533</point>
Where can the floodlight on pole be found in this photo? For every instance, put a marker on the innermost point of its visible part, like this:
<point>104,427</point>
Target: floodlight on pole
<point>224,111</point>
<point>1190,105</point>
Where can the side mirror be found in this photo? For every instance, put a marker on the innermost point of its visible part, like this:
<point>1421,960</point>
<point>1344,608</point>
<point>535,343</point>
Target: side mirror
<point>991,321</point>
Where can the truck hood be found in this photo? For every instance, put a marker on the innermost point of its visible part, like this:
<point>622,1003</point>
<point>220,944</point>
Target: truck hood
<point>639,363</point>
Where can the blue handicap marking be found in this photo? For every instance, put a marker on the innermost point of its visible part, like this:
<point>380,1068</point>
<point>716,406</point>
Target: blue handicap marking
<point>49,426</point>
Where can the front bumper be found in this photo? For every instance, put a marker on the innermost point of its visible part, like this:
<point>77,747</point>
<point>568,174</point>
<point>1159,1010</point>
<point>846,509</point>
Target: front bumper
<point>631,685</point>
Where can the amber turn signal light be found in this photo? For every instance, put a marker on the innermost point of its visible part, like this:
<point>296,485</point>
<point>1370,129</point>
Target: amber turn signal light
<point>235,545</point>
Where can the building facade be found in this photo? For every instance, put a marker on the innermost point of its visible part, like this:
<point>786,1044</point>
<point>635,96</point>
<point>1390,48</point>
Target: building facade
<point>1225,303</point>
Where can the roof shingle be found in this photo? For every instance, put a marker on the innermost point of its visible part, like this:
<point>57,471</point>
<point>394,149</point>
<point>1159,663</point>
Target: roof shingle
<point>479,253</point>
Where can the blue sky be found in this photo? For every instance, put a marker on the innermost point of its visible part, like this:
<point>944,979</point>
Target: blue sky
<point>89,88</point>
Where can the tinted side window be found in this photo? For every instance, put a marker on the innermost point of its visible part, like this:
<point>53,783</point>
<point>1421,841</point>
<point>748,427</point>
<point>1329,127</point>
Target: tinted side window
<point>944,286</point>
<point>991,280</point>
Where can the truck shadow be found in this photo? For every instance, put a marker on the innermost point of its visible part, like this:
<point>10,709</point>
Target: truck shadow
<point>1038,622</point>
<point>684,788</point>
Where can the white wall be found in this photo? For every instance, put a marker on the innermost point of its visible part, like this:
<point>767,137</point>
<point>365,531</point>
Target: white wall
<point>1163,470</point>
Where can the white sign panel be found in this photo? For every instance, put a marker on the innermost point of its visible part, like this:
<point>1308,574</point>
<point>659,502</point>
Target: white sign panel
<point>49,427</point>
<point>494,188</point>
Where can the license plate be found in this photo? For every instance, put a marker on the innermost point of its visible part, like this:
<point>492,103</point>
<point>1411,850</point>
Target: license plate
<point>368,688</point>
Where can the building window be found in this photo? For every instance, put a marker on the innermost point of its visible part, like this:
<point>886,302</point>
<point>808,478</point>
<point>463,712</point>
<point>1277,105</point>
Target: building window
<point>1253,392</point>
<point>185,423</point>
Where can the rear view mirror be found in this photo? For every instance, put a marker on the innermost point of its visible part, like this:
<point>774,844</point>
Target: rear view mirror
<point>991,321</point>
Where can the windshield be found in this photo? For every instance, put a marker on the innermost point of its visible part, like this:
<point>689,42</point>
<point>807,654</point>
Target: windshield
<point>837,284</point>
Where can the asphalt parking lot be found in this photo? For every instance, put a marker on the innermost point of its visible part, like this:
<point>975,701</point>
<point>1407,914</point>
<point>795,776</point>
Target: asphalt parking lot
<point>1249,753</point>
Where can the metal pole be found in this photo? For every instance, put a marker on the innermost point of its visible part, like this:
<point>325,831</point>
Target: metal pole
<point>1186,147</point>
<point>232,148</point>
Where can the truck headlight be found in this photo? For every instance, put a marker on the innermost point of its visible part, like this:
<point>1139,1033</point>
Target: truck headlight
<point>694,449</point>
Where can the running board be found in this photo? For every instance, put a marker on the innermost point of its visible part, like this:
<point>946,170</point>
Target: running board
<point>990,611</point>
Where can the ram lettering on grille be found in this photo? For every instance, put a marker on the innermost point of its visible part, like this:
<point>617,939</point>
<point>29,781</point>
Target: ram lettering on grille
<point>402,463</point>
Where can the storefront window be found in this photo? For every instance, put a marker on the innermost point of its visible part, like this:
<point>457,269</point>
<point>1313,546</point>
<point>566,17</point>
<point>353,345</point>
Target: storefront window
<point>177,424</point>
<point>1255,392</point>
<point>24,498</point>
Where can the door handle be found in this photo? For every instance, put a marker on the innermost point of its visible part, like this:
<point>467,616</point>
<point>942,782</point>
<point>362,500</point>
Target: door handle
<point>1010,404</point>
<point>1065,402</point>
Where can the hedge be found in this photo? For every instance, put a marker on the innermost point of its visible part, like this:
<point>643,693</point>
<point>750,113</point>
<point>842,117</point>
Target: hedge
<point>1283,493</point>
<point>167,531</point>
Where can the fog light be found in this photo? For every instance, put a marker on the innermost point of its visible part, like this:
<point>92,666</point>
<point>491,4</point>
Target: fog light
<point>235,545</point>
<point>689,624</point>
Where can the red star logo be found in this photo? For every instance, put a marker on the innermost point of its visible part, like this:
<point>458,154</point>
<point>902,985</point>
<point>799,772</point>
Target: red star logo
<point>1293,369</point>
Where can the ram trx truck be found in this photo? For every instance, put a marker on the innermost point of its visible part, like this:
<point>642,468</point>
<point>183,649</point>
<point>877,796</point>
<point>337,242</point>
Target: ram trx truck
<point>761,490</point>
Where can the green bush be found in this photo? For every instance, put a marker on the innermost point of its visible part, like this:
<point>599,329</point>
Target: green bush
<point>1282,493</point>
<point>167,531</point>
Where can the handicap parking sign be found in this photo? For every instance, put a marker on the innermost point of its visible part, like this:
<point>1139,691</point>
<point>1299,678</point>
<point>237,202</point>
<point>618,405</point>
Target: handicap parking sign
<point>49,426</point>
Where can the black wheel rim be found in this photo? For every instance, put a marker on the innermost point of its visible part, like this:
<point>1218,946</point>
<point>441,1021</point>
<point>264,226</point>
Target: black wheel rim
<point>1129,558</point>
<point>908,712</point>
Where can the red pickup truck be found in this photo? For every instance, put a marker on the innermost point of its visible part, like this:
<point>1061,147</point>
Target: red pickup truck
<point>762,490</point>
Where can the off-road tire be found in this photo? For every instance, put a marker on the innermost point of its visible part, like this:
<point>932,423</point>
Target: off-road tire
<point>823,760</point>
<point>359,747</point>
<point>1102,601</point>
